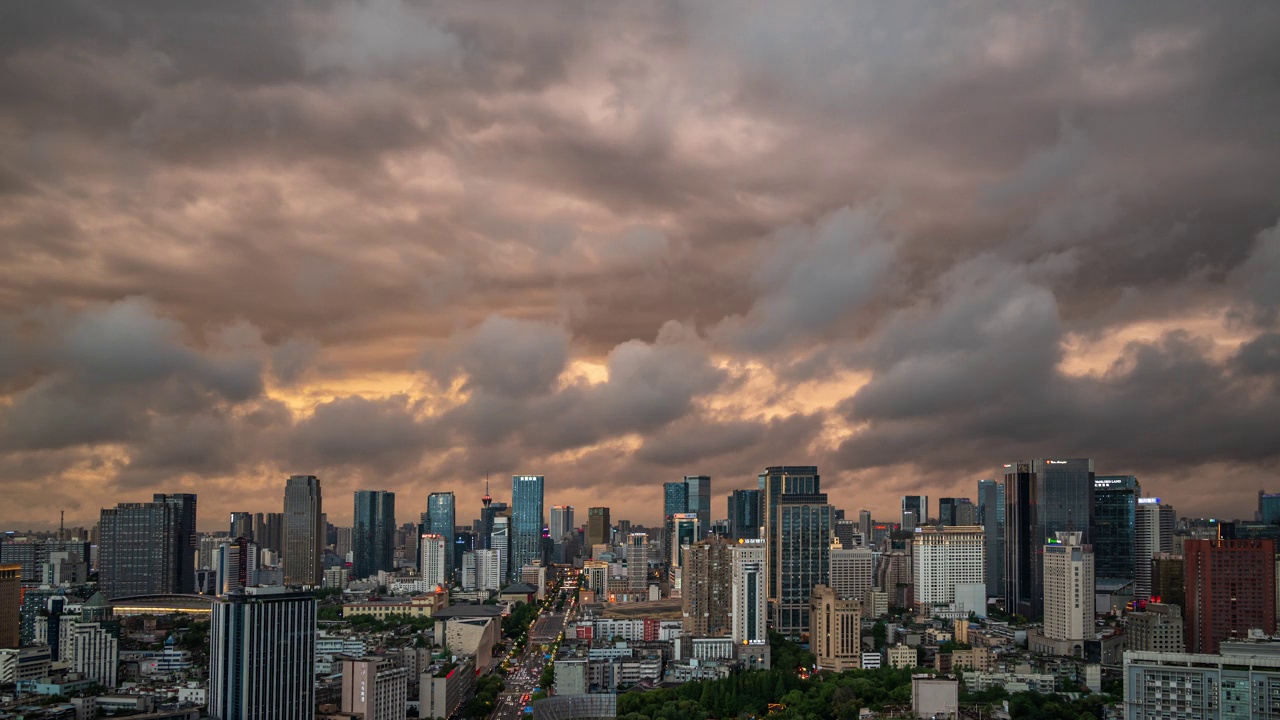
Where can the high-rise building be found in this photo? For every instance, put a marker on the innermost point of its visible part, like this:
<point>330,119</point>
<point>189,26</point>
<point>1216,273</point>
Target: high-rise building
<point>846,532</point>
<point>803,482</point>
<point>1156,628</point>
<point>744,514</point>
<point>804,558</point>
<point>373,533</point>
<point>1153,535</point>
<point>1042,498</point>
<point>956,511</point>
<point>262,655</point>
<point>148,548</point>
<point>598,530</point>
<point>1231,589</point>
<point>236,563</point>
<point>991,518</point>
<point>433,559</point>
<point>1068,592</point>
<point>561,521</point>
<point>500,543</point>
<point>1115,500</point>
<point>596,573</point>
<point>242,525</point>
<point>268,531</point>
<point>750,607</point>
<point>488,570</point>
<point>1268,508</point>
<point>675,498</point>
<point>684,530</point>
<point>836,638</point>
<point>852,570</point>
<point>442,520</point>
<point>864,524</point>
<point>10,605</point>
<point>1167,585</point>
<point>304,530</point>
<point>707,587</point>
<point>490,510</point>
<point>526,520</point>
<point>946,557</point>
<point>374,688</point>
<point>698,494</point>
<point>918,508</point>
<point>638,557</point>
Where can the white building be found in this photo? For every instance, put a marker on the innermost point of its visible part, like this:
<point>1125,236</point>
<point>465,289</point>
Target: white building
<point>944,557</point>
<point>1153,533</point>
<point>95,652</point>
<point>750,587</point>
<point>852,571</point>
<point>1068,591</point>
<point>432,559</point>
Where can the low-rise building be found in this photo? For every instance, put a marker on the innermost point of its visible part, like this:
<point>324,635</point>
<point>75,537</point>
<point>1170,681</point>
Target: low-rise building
<point>902,656</point>
<point>418,606</point>
<point>1242,681</point>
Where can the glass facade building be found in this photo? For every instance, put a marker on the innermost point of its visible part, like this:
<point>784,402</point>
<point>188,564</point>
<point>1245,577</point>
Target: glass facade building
<point>1115,499</point>
<point>804,558</point>
<point>1042,498</point>
<point>148,548</point>
<point>304,530</point>
<point>991,518</point>
<point>442,520</point>
<point>918,507</point>
<point>744,514</point>
<point>526,521</point>
<point>373,533</point>
<point>698,499</point>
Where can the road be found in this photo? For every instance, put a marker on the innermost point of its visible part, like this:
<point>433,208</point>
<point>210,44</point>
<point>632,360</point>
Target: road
<point>526,669</point>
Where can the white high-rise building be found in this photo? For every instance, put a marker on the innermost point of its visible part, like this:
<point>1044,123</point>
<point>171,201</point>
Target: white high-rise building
<point>852,571</point>
<point>750,587</point>
<point>944,557</point>
<point>561,521</point>
<point>262,655</point>
<point>488,570</point>
<point>1068,588</point>
<point>95,652</point>
<point>500,542</point>
<point>433,558</point>
<point>1153,533</point>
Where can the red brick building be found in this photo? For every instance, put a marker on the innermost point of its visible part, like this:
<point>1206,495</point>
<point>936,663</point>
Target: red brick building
<point>1231,588</point>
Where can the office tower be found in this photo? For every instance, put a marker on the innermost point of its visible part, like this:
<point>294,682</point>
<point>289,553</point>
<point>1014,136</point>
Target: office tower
<point>1068,590</point>
<point>622,530</point>
<point>526,520</point>
<point>442,520</point>
<point>950,509</point>
<point>852,570</point>
<point>918,507</point>
<point>698,495</point>
<point>500,543</point>
<point>750,606</point>
<point>345,543</point>
<point>684,530</point>
<point>804,558</point>
<point>487,513</point>
<point>1167,585</point>
<point>966,512</point>
<point>1231,588</point>
<point>433,560</point>
<point>1042,497</point>
<point>373,533</point>
<point>10,605</point>
<point>864,524</point>
<point>236,563</point>
<point>269,533</point>
<point>744,515</point>
<point>1268,508</point>
<point>675,498</point>
<point>32,555</point>
<point>991,518</point>
<point>598,532</point>
<point>262,655</point>
<point>638,558</point>
<point>1115,501</point>
<point>707,579</point>
<point>488,570</point>
<point>836,639</point>
<point>374,688</point>
<point>1156,628</point>
<point>242,525</point>
<point>561,521</point>
<point>304,530</point>
<point>1153,535</point>
<point>148,548</point>
<point>946,557</point>
<point>259,529</point>
<point>775,483</point>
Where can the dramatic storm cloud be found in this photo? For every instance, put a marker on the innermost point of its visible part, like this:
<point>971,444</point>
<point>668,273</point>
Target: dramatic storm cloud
<point>410,246</point>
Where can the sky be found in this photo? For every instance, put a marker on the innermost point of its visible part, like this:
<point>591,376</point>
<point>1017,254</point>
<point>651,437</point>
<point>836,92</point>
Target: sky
<point>409,246</point>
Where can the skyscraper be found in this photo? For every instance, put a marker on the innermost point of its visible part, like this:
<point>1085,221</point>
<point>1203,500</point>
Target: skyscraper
<point>685,531</point>
<point>242,525</point>
<point>373,533</point>
<point>10,605</point>
<point>1115,499</point>
<point>236,563</point>
<point>638,557</point>
<point>991,518</point>
<point>442,521</point>
<point>698,496</point>
<point>1268,508</point>
<point>1153,534</point>
<point>262,655</point>
<point>304,530</point>
<point>946,557</point>
<point>804,484</point>
<point>750,593</point>
<point>1231,588</point>
<point>1068,595</point>
<point>707,587</point>
<point>948,507</point>
<point>851,572</point>
<point>561,521</point>
<point>148,548</point>
<point>1042,498</point>
<point>675,498</point>
<point>433,559</point>
<point>864,525</point>
<point>526,521</point>
<point>744,514</point>
<point>918,507</point>
<point>598,529</point>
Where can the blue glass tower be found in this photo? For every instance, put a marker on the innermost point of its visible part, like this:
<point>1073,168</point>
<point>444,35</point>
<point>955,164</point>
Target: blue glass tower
<point>373,535</point>
<point>526,521</point>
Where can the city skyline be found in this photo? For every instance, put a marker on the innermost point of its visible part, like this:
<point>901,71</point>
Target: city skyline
<point>406,248</point>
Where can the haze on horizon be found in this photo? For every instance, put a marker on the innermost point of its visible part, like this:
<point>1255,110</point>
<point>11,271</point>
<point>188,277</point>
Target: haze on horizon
<point>407,246</point>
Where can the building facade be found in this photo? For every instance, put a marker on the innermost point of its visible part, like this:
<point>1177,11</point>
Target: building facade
<point>1156,628</point>
<point>526,520</point>
<point>991,518</point>
<point>1242,683</point>
<point>1115,523</point>
<point>852,572</point>
<point>944,557</point>
<point>10,605</point>
<point>375,688</point>
<point>706,601</point>
<point>1230,589</point>
<point>599,532</point>
<point>744,515</point>
<point>836,630</point>
<point>803,558</point>
<point>373,533</point>
<point>1153,535</point>
<point>561,521</point>
<point>749,607</point>
<point>1068,592</point>
<point>262,655</point>
<point>148,548</point>
<point>433,559</point>
<point>916,507</point>
<point>304,530</point>
<point>441,519</point>
<point>1042,497</point>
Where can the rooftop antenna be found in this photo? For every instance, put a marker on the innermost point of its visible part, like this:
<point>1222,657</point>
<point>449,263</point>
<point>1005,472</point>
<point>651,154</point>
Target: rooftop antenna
<point>486,500</point>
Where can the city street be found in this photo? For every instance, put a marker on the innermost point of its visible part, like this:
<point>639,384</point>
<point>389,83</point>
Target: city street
<point>526,669</point>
